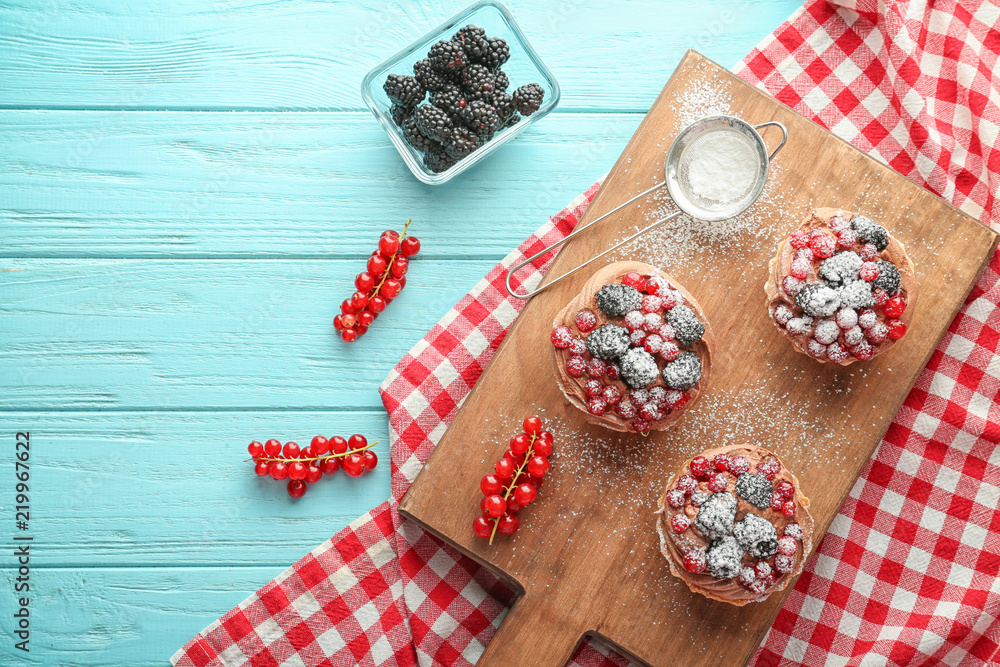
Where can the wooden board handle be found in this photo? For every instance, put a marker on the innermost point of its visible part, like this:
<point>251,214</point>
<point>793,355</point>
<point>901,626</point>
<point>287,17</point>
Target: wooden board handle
<point>531,634</point>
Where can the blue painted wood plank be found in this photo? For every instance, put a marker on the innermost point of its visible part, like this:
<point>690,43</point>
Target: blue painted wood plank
<point>306,54</point>
<point>205,334</point>
<point>175,184</point>
<point>122,617</point>
<point>158,489</point>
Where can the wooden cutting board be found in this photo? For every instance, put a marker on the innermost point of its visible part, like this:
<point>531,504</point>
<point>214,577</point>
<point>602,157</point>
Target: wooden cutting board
<point>586,560</point>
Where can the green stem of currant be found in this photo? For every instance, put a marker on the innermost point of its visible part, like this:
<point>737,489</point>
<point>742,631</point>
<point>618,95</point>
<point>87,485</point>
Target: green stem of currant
<point>510,489</point>
<point>316,458</point>
<point>388,266</point>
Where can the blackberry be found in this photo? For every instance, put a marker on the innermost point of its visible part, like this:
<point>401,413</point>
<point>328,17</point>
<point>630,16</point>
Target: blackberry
<point>403,90</point>
<point>447,56</point>
<point>717,516</point>
<point>400,113</point>
<point>461,142</point>
<point>473,40</point>
<point>500,80</point>
<point>477,78</point>
<point>513,120</point>
<point>842,267</point>
<point>495,53</point>
<point>528,98</point>
<point>638,368</point>
<point>683,372</point>
<point>687,327</point>
<point>415,137</point>
<point>480,117</point>
<point>888,277</point>
<point>609,341</point>
<point>433,122</point>
<point>451,100</point>
<point>724,558</point>
<point>437,160</point>
<point>870,231</point>
<point>615,299</point>
<point>504,104</point>
<point>757,535</point>
<point>430,78</point>
<point>755,489</point>
<point>818,300</point>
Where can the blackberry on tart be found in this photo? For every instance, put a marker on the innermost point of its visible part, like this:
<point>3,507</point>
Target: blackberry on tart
<point>633,350</point>
<point>841,288</point>
<point>734,524</point>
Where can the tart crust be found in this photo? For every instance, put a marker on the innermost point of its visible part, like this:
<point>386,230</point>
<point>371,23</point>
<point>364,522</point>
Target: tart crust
<point>572,387</point>
<point>672,545</point>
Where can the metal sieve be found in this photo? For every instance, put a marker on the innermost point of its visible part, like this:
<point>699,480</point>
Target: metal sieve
<point>678,179</point>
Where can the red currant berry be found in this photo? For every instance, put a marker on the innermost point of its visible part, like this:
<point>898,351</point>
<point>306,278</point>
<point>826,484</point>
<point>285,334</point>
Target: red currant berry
<point>626,409</point>
<point>675,498</point>
<point>354,464</point>
<point>376,265</point>
<point>586,321</point>
<point>357,441</point>
<point>897,329</point>
<point>799,239</point>
<point>747,576</point>
<point>504,469</point>
<point>783,564</point>
<point>296,470</point>
<point>520,443</point>
<point>262,469</point>
<point>788,509</point>
<point>800,269</point>
<point>392,233</point>
<point>532,425</point>
<point>279,471</point>
<point>513,507</point>
<point>785,488</point>
<point>762,569</point>
<point>482,527</point>
<point>634,279</point>
<point>329,466</point>
<point>320,445</point>
<point>717,482</point>
<point>592,388</point>
<point>822,246</point>
<point>791,285</point>
<point>525,494</point>
<point>895,306</point>
<point>272,448</point>
<point>256,449</point>
<point>538,466</point>
<point>575,367</point>
<point>699,466</point>
<point>490,485</point>
<point>296,488</point>
<point>390,288</point>
<point>863,351</point>
<point>640,425</point>
<point>651,303</point>
<point>680,522</point>
<point>657,285</point>
<point>694,560</point>
<point>291,450</point>
<point>786,546</point>
<point>634,320</point>
<point>847,238</point>
<point>649,412</point>
<point>399,267</point>
<point>578,347</point>
<point>508,524</point>
<point>596,368</point>
<point>388,245</point>
<point>347,308</point>
<point>364,282</point>
<point>348,320</point>
<point>636,337</point>
<point>494,505</point>
<point>878,333</point>
<point>676,400</point>
<point>687,484</point>
<point>307,452</point>
<point>739,465</point>
<point>597,406</point>
<point>868,252</point>
<point>721,462</point>
<point>371,459</point>
<point>794,531</point>
<point>653,343</point>
<point>869,271</point>
<point>338,445</point>
<point>359,300</point>
<point>543,447</point>
<point>365,318</point>
<point>777,501</point>
<point>769,467</point>
<point>313,474</point>
<point>409,246</point>
<point>611,395</point>
<point>561,337</point>
<point>349,335</point>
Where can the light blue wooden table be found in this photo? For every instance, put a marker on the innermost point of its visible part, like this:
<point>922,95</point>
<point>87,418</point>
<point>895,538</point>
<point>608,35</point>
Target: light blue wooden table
<point>187,188</point>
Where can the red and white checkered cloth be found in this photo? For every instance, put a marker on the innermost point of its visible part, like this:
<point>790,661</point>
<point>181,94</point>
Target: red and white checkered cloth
<point>909,572</point>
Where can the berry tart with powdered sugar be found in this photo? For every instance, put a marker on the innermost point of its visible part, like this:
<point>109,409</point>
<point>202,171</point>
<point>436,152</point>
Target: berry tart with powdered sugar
<point>841,288</point>
<point>633,350</point>
<point>734,525</point>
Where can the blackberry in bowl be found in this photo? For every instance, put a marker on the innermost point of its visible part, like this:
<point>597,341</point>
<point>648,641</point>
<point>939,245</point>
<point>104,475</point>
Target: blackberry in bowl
<point>480,72</point>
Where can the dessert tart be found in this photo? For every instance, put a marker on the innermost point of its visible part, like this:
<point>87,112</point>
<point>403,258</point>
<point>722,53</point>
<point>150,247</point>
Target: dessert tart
<point>841,288</point>
<point>734,525</point>
<point>633,350</point>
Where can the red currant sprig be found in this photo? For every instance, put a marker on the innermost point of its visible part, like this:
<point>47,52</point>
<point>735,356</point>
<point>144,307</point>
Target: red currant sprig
<point>382,282</point>
<point>516,481</point>
<point>323,456</point>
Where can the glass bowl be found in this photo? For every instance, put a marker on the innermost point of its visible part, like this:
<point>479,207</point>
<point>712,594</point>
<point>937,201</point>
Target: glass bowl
<point>523,67</point>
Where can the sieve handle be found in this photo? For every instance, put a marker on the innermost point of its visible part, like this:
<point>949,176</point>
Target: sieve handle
<point>517,267</point>
<point>784,136</point>
<point>584,264</point>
